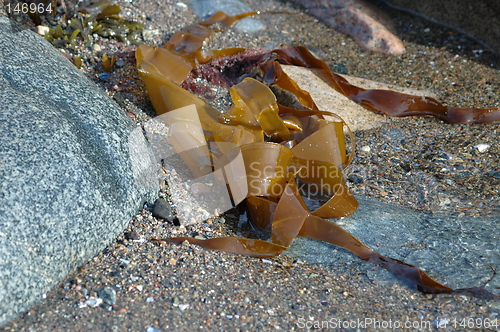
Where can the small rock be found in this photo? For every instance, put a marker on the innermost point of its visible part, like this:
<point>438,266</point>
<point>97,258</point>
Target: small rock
<point>482,147</point>
<point>108,295</point>
<point>494,174</point>
<point>125,261</point>
<point>42,30</point>
<point>162,209</point>
<point>355,179</point>
<point>149,35</point>
<point>93,302</point>
<point>104,76</point>
<point>116,273</point>
<point>120,63</point>
<point>131,236</point>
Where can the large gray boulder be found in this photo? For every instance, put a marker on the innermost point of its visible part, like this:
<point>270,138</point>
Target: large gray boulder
<point>67,187</point>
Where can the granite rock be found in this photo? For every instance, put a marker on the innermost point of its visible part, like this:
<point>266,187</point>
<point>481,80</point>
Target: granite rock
<point>67,187</point>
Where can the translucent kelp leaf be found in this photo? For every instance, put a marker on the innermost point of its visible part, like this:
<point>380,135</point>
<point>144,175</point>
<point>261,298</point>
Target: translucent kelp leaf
<point>255,105</point>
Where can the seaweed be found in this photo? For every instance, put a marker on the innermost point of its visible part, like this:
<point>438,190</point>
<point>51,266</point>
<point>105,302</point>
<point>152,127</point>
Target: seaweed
<point>108,63</point>
<point>99,18</point>
<point>281,146</point>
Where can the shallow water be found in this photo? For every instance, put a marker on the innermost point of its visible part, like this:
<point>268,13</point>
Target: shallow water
<point>454,250</point>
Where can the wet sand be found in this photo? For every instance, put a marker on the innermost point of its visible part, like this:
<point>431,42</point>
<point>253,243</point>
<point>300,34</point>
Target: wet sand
<point>185,288</point>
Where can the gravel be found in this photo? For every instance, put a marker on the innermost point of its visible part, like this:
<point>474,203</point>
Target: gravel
<point>418,163</point>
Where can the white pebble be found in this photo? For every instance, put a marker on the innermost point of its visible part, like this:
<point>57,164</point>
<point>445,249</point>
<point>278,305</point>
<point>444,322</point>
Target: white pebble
<point>482,147</point>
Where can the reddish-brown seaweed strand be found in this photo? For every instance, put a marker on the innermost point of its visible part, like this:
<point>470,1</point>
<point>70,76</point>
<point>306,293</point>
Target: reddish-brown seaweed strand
<point>385,101</point>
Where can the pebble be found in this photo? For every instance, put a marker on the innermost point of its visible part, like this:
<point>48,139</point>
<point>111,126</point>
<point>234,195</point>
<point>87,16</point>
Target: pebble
<point>482,147</point>
<point>104,76</point>
<point>131,236</point>
<point>42,30</point>
<point>92,302</point>
<point>108,295</point>
<point>204,8</point>
<point>150,34</point>
<point>183,306</point>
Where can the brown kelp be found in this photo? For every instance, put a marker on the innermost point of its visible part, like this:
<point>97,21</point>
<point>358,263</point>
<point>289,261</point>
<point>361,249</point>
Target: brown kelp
<point>281,145</point>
